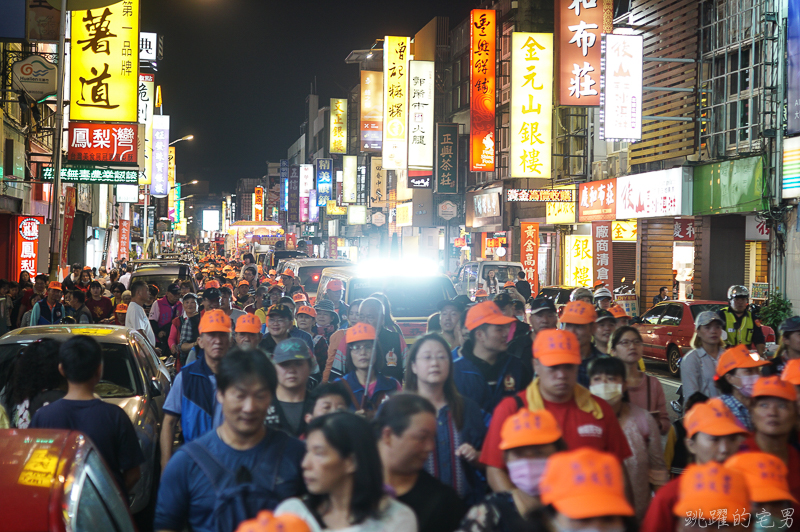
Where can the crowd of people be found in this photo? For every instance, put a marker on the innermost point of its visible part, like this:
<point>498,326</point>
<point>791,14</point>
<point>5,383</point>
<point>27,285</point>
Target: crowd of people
<point>507,415</point>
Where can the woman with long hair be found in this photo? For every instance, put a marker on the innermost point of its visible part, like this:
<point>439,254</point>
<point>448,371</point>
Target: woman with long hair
<point>699,366</point>
<point>35,381</point>
<point>460,428</point>
<point>343,474</point>
<point>388,319</point>
<point>491,282</point>
<point>25,280</point>
<point>84,280</point>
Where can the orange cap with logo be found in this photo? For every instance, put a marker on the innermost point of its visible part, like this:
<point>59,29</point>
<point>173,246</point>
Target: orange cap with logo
<point>359,332</point>
<point>711,489</point>
<point>584,483</point>
<point>307,310</point>
<point>618,312</point>
<point>215,321</point>
<point>713,418</point>
<point>578,313</point>
<point>265,521</point>
<point>230,275</point>
<point>288,272</point>
<point>774,387</point>
<point>227,269</point>
<point>791,372</point>
<point>243,282</point>
<point>509,284</point>
<point>529,428</point>
<point>765,475</point>
<point>486,312</point>
<point>212,284</point>
<point>122,308</point>
<point>335,285</point>
<point>272,272</point>
<point>54,285</point>
<point>556,346</point>
<point>299,297</point>
<point>249,323</point>
<point>737,357</point>
<point>481,293</point>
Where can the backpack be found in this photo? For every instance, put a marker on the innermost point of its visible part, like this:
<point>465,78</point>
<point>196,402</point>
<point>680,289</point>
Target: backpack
<point>237,497</point>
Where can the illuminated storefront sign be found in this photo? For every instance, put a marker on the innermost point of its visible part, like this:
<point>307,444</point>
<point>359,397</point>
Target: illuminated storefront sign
<point>124,239</point>
<point>655,194</point>
<point>293,194</point>
<point>104,78</point>
<point>338,132</point>
<point>529,253</point>
<point>621,110</point>
<point>258,205</point>
<point>103,143</point>
<point>371,123</point>
<point>531,104</point>
<point>27,238</point>
<point>623,231</point>
<point>559,213</point>
<point>306,179</point>
<point>420,115</point>
<point>578,263</point>
<point>377,183</point>
<point>324,181</point>
<point>598,201</point>
<point>356,214</point>
<point>446,159</point>
<point>547,194</point>
<point>603,270</point>
<point>405,214</point>
<point>349,185</point>
<point>90,174</point>
<point>174,188</point>
<point>159,185</point>
<point>579,26</point>
<point>335,210</point>
<point>395,97</point>
<point>146,107</point>
<point>482,50</point>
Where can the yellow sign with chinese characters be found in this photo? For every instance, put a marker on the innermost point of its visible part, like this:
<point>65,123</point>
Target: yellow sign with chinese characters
<point>531,104</point>
<point>578,266</point>
<point>39,469</point>
<point>396,51</point>
<point>623,231</point>
<point>334,210</point>
<point>104,79</point>
<point>561,212</point>
<point>338,131</point>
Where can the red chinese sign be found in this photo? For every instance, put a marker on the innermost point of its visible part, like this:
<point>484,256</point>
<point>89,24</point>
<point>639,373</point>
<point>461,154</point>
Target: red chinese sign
<point>529,254</point>
<point>603,254</point>
<point>258,205</point>
<point>69,216</point>
<point>579,26</point>
<point>683,230</point>
<point>460,242</point>
<point>107,143</point>
<point>124,239</point>
<point>27,244</point>
<point>333,247</point>
<point>483,45</point>
<point>598,201</point>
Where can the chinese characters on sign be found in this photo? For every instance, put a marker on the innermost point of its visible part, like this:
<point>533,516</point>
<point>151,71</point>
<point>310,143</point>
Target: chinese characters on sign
<point>377,183</point>
<point>621,112</point>
<point>324,181</point>
<point>483,46</point>
<point>683,230</point>
<point>104,79</point>
<point>793,68</point>
<point>529,253</point>
<point>174,189</point>
<point>371,111</point>
<point>284,176</point>
<point>598,201</point>
<point>623,231</point>
<point>258,205</point>
<point>420,179</point>
<point>86,174</point>
<point>395,98</point>
<point>333,248</point>
<point>349,185</point>
<point>603,254</point>
<point>549,195</point>
<point>446,158</point>
<point>338,131</point>
<point>104,143</point>
<point>559,212</point>
<point>27,239</point>
<point>146,107</point>
<point>579,26</point>
<point>531,104</point>
<point>43,21</point>
<point>159,185</point>
<point>306,179</point>
<point>148,46</point>
<point>578,263</point>
<point>405,214</point>
<point>70,199</point>
<point>649,195</point>
<point>293,194</point>
<point>124,239</point>
<point>420,115</point>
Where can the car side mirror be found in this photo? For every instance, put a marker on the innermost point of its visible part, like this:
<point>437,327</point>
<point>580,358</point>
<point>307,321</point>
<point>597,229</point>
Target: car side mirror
<point>155,388</point>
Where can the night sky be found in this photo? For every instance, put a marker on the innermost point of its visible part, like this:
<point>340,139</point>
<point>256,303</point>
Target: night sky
<point>236,73</point>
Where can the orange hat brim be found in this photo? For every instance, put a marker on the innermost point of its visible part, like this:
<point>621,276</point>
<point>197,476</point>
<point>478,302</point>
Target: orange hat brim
<point>603,503</point>
<point>556,359</point>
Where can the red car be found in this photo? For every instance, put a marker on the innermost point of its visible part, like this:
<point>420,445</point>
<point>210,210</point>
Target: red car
<point>667,329</point>
<point>55,481</point>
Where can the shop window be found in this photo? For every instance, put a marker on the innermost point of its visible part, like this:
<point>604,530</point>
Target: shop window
<point>673,315</point>
<point>652,316</point>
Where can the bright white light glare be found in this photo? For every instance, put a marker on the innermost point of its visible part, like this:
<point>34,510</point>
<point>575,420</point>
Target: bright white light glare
<point>409,267</point>
<point>210,220</point>
<point>755,356</point>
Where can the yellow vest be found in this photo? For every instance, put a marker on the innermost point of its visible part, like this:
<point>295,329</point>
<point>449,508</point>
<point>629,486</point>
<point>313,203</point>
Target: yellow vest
<point>742,335</point>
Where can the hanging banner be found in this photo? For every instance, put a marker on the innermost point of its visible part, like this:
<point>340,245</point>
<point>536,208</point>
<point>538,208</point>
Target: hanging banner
<point>313,207</point>
<point>377,188</point>
<point>104,77</point>
<point>420,116</point>
<point>44,21</point>
<point>371,111</point>
<point>482,50</point>
<point>174,189</point>
<point>350,176</point>
<point>124,240</point>
<point>70,200</point>
<point>529,253</point>
<point>324,181</point>
<point>598,200</point>
<point>293,194</point>
<point>395,98</point>
<point>578,263</point>
<point>303,209</point>
<point>338,131</point>
<point>793,68</point>
<point>306,179</point>
<point>159,186</point>
<point>27,248</point>
<point>103,143</point>
<point>531,104</point>
<point>446,159</point>
<point>258,205</point>
<point>333,248</point>
<point>579,25</point>
<point>603,255</point>
<point>146,107</point>
<point>621,109</point>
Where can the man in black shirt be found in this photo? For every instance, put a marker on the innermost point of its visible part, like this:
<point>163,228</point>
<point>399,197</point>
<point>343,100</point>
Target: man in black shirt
<point>292,359</point>
<point>523,286</point>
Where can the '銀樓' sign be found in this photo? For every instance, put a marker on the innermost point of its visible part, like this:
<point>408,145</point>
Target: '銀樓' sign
<point>560,195</point>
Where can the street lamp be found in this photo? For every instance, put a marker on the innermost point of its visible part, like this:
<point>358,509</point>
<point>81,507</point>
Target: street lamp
<point>187,137</point>
<point>184,184</point>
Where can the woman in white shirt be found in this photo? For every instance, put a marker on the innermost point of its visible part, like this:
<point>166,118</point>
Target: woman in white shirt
<point>344,477</point>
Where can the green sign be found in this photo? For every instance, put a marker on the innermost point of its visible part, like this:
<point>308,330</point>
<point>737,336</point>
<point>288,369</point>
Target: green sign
<point>91,174</point>
<point>728,187</point>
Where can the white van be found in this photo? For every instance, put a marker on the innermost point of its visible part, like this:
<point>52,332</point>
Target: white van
<point>473,275</point>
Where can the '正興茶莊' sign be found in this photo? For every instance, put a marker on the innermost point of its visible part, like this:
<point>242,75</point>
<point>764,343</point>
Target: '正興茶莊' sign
<point>554,195</point>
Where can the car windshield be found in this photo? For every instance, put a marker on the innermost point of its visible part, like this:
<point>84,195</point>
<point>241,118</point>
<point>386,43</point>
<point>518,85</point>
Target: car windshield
<point>558,295</point>
<point>309,277</point>
<point>409,296</point>
<point>119,369</point>
<point>697,309</point>
<point>161,281</point>
<point>502,272</point>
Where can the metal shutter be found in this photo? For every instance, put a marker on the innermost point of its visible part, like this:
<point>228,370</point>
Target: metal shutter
<point>624,264</point>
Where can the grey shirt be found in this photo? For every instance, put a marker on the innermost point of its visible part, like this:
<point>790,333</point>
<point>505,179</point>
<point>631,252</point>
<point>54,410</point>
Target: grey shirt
<point>697,373</point>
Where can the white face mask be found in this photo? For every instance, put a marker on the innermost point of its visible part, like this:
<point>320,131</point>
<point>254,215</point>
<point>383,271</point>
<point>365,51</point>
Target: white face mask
<point>748,381</point>
<point>611,392</point>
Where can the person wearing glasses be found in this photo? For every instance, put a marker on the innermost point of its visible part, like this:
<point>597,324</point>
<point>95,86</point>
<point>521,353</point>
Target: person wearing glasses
<point>280,326</point>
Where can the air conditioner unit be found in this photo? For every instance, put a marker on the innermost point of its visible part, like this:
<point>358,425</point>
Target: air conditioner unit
<point>599,170</point>
<point>613,165</point>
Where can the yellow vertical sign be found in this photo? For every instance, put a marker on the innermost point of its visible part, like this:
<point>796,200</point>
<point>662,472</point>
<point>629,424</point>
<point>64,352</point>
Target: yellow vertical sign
<point>531,104</point>
<point>578,265</point>
<point>338,131</point>
<point>395,97</point>
<point>104,79</point>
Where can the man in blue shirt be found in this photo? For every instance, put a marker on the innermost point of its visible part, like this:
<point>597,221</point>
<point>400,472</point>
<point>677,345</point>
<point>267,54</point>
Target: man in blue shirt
<point>268,460</point>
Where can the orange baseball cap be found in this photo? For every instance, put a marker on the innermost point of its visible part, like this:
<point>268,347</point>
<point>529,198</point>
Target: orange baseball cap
<point>307,310</point>
<point>618,312</point>
<point>486,312</point>
<point>529,428</point>
<point>481,293</point>
<point>227,269</point>
<point>584,483</point>
<point>556,346</point>
<point>243,283</point>
<point>774,387</point>
<point>54,285</point>
<point>122,308</point>
<point>249,323</point>
<point>791,372</point>
<point>299,297</point>
<point>335,285</point>
<point>711,488</point>
<point>713,418</point>
<point>272,272</point>
<point>765,475</point>
<point>215,321</point>
<point>288,272</point>
<point>212,284</point>
<point>265,521</point>
<point>737,357</point>
<point>578,313</point>
<point>359,332</point>
<point>231,274</point>
<point>509,284</point>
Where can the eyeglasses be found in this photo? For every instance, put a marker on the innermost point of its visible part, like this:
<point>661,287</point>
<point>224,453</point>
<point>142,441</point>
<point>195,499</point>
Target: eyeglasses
<point>628,343</point>
<point>360,348</point>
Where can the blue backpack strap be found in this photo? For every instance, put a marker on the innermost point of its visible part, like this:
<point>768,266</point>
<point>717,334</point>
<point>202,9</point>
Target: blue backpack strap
<point>208,464</point>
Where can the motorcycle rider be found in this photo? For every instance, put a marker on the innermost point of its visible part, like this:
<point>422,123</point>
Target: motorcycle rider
<point>739,322</point>
<point>603,298</point>
<point>582,294</point>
